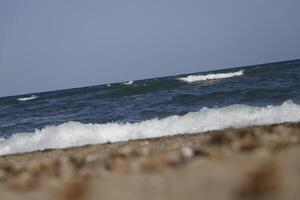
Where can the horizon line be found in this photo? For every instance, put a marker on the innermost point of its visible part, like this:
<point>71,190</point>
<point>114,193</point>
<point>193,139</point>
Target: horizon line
<point>160,77</point>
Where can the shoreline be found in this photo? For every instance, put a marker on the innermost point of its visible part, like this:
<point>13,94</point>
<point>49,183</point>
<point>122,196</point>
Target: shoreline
<point>258,162</point>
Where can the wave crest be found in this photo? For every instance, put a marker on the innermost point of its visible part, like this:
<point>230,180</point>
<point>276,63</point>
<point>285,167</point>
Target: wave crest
<point>129,83</point>
<point>28,98</point>
<point>197,78</point>
<point>207,119</point>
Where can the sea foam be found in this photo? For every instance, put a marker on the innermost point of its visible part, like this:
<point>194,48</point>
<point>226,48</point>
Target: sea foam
<point>197,78</point>
<point>207,119</point>
<point>28,98</point>
<point>129,83</point>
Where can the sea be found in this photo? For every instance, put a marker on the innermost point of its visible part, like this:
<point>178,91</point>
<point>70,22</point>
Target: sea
<point>183,104</point>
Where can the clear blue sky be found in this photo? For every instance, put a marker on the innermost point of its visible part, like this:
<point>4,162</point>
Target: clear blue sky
<point>55,44</point>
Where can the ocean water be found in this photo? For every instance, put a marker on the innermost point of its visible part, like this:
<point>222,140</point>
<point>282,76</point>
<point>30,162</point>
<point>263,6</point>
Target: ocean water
<point>191,103</point>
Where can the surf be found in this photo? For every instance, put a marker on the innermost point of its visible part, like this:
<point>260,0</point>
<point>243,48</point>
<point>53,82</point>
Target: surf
<point>73,134</point>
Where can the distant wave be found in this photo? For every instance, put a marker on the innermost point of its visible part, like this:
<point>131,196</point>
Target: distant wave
<point>77,134</point>
<point>28,98</point>
<point>129,83</point>
<point>196,78</point>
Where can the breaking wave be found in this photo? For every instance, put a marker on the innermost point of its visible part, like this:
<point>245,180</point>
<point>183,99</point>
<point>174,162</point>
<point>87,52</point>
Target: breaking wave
<point>77,134</point>
<point>28,98</point>
<point>129,83</point>
<point>197,78</point>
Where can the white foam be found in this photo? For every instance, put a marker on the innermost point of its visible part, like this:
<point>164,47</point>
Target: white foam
<point>28,98</point>
<point>129,83</point>
<point>197,78</point>
<point>77,134</point>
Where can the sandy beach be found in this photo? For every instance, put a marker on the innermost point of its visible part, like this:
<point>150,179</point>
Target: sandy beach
<point>149,100</point>
<point>248,163</point>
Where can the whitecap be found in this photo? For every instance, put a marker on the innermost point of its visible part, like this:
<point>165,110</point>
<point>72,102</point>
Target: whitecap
<point>197,78</point>
<point>28,98</point>
<point>128,83</point>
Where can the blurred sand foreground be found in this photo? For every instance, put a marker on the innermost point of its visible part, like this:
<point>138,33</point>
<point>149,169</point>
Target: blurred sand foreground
<point>248,163</point>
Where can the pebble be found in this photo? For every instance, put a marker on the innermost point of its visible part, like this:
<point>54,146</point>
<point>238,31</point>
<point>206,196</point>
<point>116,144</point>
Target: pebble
<point>117,165</point>
<point>187,152</point>
<point>91,159</point>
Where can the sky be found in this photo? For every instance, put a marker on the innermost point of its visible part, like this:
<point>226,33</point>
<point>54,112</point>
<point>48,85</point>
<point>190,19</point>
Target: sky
<point>48,45</point>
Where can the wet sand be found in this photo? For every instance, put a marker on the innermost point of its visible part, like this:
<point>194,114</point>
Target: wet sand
<point>259,162</point>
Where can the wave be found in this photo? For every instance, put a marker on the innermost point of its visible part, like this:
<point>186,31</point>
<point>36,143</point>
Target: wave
<point>197,78</point>
<point>27,98</point>
<point>72,134</point>
<point>128,83</point>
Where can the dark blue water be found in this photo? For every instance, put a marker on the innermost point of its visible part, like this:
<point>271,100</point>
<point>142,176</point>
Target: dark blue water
<point>260,85</point>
